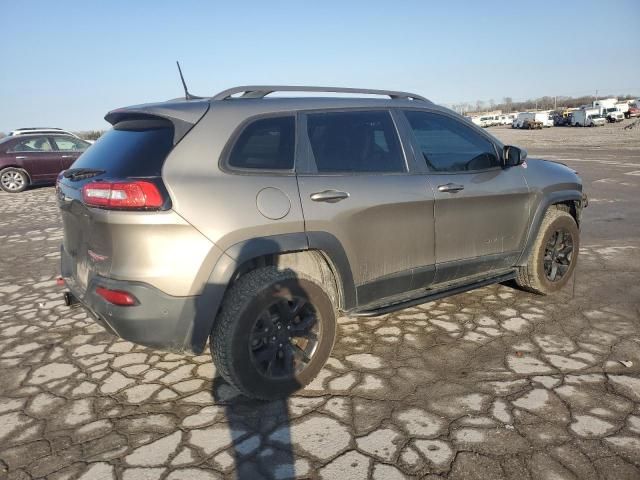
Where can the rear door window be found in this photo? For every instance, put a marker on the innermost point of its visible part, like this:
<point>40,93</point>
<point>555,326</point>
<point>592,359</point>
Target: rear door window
<point>265,144</point>
<point>130,149</point>
<point>32,144</point>
<point>448,145</point>
<point>358,142</point>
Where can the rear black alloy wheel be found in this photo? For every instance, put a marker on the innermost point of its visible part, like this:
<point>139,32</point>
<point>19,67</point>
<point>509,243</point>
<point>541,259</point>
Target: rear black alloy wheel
<point>274,332</point>
<point>285,338</point>
<point>557,255</point>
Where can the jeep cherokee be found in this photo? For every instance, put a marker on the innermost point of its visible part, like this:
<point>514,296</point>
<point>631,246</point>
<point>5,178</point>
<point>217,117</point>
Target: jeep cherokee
<point>251,221</point>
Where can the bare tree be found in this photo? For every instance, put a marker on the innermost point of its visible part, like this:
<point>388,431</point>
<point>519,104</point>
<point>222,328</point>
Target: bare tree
<point>90,134</point>
<point>546,102</point>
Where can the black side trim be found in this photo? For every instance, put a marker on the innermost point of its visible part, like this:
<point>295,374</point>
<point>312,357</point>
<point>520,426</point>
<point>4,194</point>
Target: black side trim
<point>543,206</point>
<point>457,269</point>
<point>429,296</point>
<point>257,247</point>
<point>386,286</point>
<point>396,284</point>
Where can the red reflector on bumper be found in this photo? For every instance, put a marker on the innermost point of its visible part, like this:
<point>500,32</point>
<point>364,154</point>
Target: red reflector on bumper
<point>117,297</point>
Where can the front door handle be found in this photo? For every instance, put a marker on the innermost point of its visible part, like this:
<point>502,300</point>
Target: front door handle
<point>450,187</point>
<point>331,196</point>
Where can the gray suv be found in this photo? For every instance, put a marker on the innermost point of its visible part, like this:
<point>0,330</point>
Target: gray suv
<point>251,221</point>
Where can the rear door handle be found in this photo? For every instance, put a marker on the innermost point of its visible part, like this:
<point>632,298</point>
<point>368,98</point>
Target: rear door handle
<point>450,187</point>
<point>331,196</point>
<point>67,156</point>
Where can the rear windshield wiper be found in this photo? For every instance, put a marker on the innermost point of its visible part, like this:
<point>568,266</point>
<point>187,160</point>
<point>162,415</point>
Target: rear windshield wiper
<point>80,173</point>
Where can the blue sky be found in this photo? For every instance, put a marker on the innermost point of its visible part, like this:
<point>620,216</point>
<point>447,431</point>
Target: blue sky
<point>67,63</point>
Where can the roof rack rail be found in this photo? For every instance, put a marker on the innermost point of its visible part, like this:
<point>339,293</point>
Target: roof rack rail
<point>261,91</point>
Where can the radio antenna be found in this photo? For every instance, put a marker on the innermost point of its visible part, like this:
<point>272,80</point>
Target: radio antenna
<point>187,95</point>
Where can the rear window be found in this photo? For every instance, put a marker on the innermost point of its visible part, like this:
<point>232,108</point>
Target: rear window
<point>130,151</point>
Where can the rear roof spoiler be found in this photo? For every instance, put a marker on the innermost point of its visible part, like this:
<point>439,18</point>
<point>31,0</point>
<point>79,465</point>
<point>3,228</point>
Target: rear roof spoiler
<point>182,114</point>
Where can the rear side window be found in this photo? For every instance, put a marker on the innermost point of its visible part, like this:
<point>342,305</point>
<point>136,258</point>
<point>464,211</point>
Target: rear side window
<point>265,144</point>
<point>449,145</point>
<point>130,149</point>
<point>32,144</point>
<point>355,142</point>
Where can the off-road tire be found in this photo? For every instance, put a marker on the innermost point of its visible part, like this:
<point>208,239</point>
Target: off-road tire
<point>531,277</point>
<point>22,180</point>
<point>243,303</point>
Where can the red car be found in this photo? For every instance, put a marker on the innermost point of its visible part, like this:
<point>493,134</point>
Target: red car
<point>633,112</point>
<point>29,159</point>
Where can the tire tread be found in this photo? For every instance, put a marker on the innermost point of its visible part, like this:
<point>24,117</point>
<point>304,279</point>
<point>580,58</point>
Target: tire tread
<point>527,277</point>
<point>237,297</point>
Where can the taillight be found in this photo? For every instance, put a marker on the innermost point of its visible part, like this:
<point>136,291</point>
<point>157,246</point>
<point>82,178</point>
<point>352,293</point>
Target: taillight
<point>122,195</point>
<point>117,297</point>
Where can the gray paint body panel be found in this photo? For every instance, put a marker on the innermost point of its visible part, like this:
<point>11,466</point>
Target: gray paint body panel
<point>488,218</point>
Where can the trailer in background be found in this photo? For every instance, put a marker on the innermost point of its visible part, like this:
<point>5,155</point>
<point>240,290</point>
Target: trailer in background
<point>605,103</point>
<point>623,107</point>
<point>587,117</point>
<point>532,120</point>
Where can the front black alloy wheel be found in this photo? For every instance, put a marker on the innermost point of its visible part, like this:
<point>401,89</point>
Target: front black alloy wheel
<point>553,255</point>
<point>557,255</point>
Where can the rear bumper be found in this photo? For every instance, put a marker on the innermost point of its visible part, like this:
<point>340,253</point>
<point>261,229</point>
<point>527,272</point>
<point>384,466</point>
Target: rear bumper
<point>159,320</point>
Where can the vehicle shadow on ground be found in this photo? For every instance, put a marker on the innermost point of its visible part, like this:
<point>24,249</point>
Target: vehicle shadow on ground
<point>259,430</point>
<point>250,422</point>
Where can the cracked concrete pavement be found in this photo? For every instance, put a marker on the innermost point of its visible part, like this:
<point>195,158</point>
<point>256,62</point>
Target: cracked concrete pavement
<point>491,384</point>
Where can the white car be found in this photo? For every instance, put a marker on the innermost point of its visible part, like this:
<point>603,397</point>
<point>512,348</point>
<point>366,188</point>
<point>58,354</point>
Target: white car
<point>41,130</point>
<point>45,131</point>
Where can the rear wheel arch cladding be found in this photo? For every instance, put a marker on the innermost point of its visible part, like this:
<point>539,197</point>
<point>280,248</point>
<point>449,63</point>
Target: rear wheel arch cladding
<point>316,265</point>
<point>331,263</point>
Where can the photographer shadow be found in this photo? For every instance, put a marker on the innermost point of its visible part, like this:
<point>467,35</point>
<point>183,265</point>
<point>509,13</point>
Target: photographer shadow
<point>250,423</point>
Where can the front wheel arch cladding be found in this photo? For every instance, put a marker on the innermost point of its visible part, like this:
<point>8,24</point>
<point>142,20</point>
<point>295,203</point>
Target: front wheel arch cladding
<point>552,199</point>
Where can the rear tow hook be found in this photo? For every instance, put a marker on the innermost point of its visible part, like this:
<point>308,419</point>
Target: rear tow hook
<point>70,300</point>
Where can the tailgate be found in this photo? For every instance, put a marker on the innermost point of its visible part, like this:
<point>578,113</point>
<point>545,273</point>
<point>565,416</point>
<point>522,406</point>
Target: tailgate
<point>81,239</point>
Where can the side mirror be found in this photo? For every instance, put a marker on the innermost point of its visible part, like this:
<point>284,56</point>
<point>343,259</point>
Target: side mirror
<point>513,156</point>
